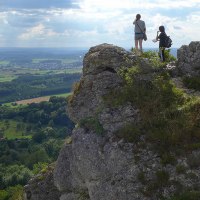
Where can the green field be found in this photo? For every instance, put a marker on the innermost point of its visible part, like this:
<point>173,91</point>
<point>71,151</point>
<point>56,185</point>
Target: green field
<point>4,62</point>
<point>33,100</point>
<point>13,129</point>
<point>7,77</point>
<point>63,95</point>
<point>63,61</point>
<point>11,74</point>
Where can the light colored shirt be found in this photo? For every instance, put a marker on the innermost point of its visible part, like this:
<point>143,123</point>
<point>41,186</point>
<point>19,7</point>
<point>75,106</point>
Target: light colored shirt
<point>141,24</point>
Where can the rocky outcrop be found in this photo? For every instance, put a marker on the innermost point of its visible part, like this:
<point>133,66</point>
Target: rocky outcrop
<point>42,187</point>
<point>101,166</point>
<point>95,166</point>
<point>98,165</point>
<point>189,59</point>
<point>101,65</point>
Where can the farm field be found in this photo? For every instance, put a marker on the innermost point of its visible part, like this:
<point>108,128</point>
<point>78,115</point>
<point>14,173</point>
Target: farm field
<point>39,99</point>
<point>9,74</point>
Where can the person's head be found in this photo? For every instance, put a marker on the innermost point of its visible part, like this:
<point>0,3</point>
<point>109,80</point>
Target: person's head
<point>161,28</point>
<point>138,16</point>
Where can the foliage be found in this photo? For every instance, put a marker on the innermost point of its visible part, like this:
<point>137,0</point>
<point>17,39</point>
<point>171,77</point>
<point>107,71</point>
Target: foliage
<point>141,177</point>
<point>161,180</point>
<point>180,169</point>
<point>12,193</point>
<point>92,123</point>
<point>46,125</point>
<point>24,121</point>
<point>14,175</point>
<point>194,160</point>
<point>130,133</point>
<point>154,59</point>
<point>192,82</point>
<point>31,86</point>
<point>38,167</point>
<point>188,195</point>
<point>170,119</point>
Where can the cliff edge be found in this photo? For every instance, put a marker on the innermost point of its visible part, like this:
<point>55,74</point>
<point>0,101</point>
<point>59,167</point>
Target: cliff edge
<point>137,134</point>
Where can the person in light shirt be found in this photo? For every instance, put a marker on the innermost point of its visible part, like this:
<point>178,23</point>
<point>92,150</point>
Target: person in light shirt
<point>140,29</point>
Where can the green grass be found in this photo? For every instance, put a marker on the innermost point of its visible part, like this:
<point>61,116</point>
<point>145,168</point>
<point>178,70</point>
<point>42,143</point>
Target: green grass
<point>63,95</point>
<point>69,60</point>
<point>64,61</point>
<point>7,77</point>
<point>12,105</point>
<point>11,131</point>
<point>4,62</point>
<point>170,118</point>
<point>192,82</point>
<point>93,124</point>
<point>187,195</point>
<point>12,73</point>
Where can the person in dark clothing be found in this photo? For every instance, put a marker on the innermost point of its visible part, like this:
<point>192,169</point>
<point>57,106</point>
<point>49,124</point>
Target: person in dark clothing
<point>161,38</point>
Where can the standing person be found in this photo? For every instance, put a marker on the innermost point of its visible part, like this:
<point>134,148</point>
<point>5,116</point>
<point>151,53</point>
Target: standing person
<point>140,29</point>
<point>161,38</point>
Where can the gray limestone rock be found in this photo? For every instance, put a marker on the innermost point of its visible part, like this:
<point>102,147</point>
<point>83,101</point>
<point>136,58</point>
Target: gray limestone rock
<point>42,187</point>
<point>189,59</point>
<point>100,166</point>
<point>100,67</point>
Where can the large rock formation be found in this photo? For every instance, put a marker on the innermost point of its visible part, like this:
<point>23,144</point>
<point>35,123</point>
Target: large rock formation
<point>189,59</point>
<point>104,167</point>
<point>97,165</point>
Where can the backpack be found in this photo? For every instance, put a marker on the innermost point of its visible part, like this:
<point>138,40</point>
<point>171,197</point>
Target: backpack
<point>168,42</point>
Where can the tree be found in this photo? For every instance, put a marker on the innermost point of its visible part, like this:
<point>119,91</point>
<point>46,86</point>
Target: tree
<point>38,137</point>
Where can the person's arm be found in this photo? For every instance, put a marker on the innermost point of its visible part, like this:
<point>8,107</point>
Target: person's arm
<point>134,21</point>
<point>144,27</point>
<point>157,37</point>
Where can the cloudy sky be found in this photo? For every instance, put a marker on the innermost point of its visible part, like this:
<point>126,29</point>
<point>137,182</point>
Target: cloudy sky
<point>85,23</point>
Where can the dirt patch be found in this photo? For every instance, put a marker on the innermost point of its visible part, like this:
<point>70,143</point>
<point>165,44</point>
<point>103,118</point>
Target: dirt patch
<point>34,100</point>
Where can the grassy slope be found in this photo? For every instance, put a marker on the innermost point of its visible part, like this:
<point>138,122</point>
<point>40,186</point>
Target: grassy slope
<point>11,131</point>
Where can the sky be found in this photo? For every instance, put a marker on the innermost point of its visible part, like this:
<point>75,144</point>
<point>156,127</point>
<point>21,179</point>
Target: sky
<point>86,23</point>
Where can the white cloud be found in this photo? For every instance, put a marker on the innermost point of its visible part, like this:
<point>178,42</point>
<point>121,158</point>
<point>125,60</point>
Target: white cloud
<point>98,21</point>
<point>135,4</point>
<point>38,31</point>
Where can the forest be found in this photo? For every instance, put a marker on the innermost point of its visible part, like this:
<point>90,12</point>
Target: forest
<point>31,86</point>
<point>37,133</point>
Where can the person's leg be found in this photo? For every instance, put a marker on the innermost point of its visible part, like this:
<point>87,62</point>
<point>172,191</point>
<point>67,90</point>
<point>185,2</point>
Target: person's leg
<point>160,53</point>
<point>136,44</point>
<point>140,43</point>
<point>163,54</point>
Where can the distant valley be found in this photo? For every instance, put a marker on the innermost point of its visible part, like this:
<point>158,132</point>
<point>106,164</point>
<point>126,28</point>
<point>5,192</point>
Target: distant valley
<point>34,72</point>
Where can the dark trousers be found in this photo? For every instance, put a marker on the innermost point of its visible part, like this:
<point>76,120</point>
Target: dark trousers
<point>162,54</point>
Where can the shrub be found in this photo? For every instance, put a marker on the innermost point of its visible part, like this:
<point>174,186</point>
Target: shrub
<point>170,119</point>
<point>3,195</point>
<point>156,186</point>
<point>188,195</point>
<point>130,133</point>
<point>192,82</point>
<point>180,169</point>
<point>92,123</point>
<point>141,177</point>
<point>194,160</point>
<point>162,178</point>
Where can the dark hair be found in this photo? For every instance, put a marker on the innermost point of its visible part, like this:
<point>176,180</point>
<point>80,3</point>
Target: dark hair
<point>138,16</point>
<point>161,28</point>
